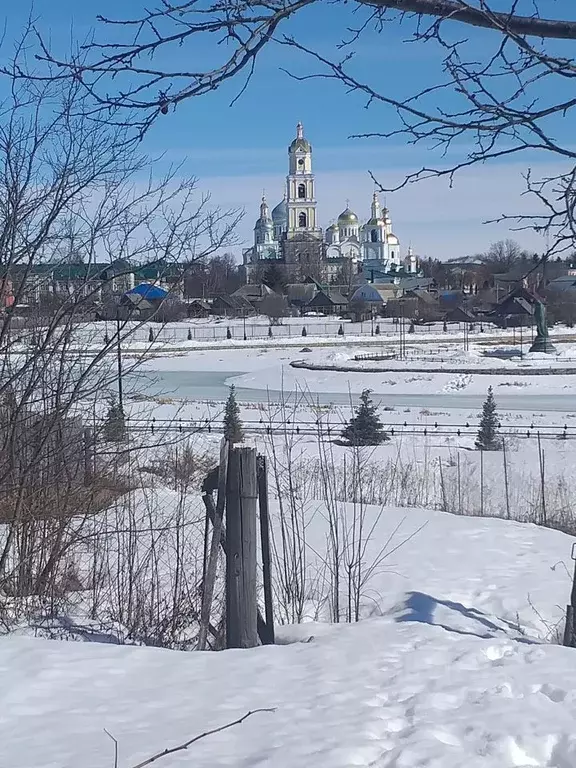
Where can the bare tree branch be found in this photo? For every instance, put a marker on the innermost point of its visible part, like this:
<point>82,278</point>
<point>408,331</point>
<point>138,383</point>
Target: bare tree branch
<point>187,744</point>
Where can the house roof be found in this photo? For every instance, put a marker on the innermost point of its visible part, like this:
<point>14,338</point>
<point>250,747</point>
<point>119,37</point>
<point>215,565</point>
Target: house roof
<point>423,296</point>
<point>374,292</point>
<point>149,292</point>
<point>301,292</point>
<point>564,283</point>
<point>328,296</point>
<point>460,314</point>
<point>234,302</point>
<point>411,283</point>
<point>202,303</point>
<point>253,291</point>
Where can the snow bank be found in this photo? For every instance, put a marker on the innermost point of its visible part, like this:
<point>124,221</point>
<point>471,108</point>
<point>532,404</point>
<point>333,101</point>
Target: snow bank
<point>448,672</point>
<point>392,694</point>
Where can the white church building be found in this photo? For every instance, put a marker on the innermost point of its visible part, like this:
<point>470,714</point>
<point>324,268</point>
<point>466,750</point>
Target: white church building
<point>290,234</point>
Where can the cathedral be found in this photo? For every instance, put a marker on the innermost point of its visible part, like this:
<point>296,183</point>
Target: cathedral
<point>290,235</point>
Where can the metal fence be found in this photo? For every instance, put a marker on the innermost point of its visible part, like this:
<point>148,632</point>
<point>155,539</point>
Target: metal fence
<point>236,329</point>
<point>329,430</point>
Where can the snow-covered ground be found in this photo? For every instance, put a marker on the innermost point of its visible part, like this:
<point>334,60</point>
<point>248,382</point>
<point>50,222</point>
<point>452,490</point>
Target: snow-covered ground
<point>451,670</point>
<point>454,663</point>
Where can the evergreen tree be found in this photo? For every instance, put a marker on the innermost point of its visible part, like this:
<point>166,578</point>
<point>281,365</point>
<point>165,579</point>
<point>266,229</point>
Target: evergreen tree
<point>341,330</point>
<point>365,427</point>
<point>488,439</point>
<point>115,424</point>
<point>445,327</point>
<point>377,329</point>
<point>232,425</point>
<point>270,334</point>
<point>151,334</point>
<point>189,334</point>
<point>304,331</point>
<point>411,327</point>
<point>228,333</point>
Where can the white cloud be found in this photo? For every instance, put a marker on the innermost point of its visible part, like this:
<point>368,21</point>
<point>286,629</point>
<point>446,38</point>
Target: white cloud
<point>437,220</point>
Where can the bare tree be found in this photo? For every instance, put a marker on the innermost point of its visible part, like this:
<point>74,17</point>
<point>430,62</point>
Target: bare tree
<point>503,255</point>
<point>77,219</point>
<point>492,97</point>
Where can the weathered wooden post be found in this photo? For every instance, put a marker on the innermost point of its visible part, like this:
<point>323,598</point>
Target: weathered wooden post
<point>268,638</point>
<point>211,555</point>
<point>570,626</point>
<point>241,549</point>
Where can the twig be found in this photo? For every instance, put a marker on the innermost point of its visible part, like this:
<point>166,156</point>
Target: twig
<point>115,747</point>
<point>182,747</point>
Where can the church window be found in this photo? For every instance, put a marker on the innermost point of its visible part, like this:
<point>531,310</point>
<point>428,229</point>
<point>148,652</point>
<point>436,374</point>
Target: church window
<point>301,191</point>
<point>302,220</point>
<point>374,235</point>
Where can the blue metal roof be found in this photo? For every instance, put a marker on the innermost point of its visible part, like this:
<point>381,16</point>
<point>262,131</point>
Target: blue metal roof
<point>150,292</point>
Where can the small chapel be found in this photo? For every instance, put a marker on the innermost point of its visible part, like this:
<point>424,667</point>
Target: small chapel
<point>291,237</point>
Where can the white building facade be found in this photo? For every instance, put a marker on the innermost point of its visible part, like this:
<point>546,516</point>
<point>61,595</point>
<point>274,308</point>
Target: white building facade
<point>291,234</point>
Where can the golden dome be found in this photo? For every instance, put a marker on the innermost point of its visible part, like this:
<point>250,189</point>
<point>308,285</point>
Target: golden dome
<point>347,217</point>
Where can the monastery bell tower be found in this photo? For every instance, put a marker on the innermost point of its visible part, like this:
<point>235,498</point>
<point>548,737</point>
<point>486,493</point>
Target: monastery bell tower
<point>300,192</point>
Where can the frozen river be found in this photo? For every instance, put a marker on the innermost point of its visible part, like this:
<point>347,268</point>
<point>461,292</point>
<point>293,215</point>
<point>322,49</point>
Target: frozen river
<point>212,385</point>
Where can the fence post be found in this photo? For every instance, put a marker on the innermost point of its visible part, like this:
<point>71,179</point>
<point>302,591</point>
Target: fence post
<point>506,487</point>
<point>211,557</point>
<point>570,626</point>
<point>543,519</point>
<point>241,573</point>
<point>265,542</point>
<point>481,482</point>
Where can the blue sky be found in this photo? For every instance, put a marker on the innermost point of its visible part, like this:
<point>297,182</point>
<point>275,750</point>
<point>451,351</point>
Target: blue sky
<point>237,151</point>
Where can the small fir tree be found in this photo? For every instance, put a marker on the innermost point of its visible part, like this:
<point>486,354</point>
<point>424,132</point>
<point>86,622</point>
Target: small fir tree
<point>232,425</point>
<point>228,333</point>
<point>151,334</point>
<point>377,330</point>
<point>411,327</point>
<point>341,330</point>
<point>488,439</point>
<point>189,334</point>
<point>304,331</point>
<point>270,334</point>
<point>115,423</point>
<point>445,327</point>
<point>365,427</point>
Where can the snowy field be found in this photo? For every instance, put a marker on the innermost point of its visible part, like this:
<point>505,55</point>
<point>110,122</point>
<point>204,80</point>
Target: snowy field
<point>455,661</point>
<point>454,668</point>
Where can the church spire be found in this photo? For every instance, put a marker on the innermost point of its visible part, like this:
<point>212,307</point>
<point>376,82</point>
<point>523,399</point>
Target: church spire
<point>299,131</point>
<point>376,208</point>
<point>264,211</point>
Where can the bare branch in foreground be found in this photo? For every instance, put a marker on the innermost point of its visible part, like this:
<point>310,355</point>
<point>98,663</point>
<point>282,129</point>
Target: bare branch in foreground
<point>115,747</point>
<point>183,747</point>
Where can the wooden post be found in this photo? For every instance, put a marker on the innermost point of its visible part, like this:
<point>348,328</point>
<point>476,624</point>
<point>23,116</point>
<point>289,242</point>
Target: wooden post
<point>481,482</point>
<point>265,542</point>
<point>241,545</point>
<point>544,516</point>
<point>212,561</point>
<point>570,626</point>
<point>506,488</point>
